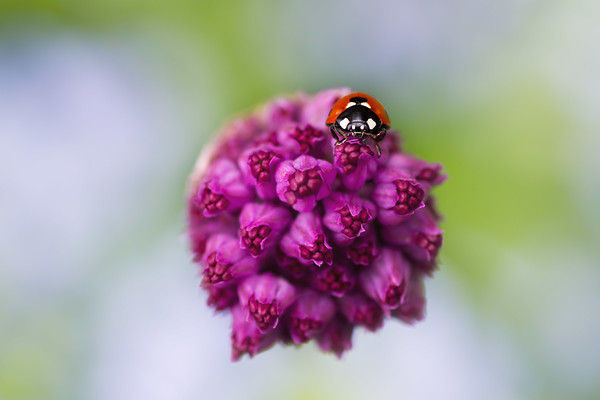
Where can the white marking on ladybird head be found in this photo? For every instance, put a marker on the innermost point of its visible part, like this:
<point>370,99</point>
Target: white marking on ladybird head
<point>365,104</point>
<point>372,124</point>
<point>350,104</point>
<point>344,123</point>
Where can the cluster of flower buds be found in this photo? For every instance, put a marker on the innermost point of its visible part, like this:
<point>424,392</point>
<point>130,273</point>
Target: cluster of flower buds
<point>301,238</point>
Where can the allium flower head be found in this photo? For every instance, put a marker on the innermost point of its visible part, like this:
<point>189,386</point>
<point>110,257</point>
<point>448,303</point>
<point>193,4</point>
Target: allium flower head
<point>300,238</point>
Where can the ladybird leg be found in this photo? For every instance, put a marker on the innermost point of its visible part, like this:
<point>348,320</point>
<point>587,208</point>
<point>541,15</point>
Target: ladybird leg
<point>344,137</point>
<point>378,138</point>
<point>380,135</point>
<point>334,134</point>
<point>374,137</point>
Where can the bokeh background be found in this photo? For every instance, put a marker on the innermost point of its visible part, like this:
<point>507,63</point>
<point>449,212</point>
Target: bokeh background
<point>104,106</point>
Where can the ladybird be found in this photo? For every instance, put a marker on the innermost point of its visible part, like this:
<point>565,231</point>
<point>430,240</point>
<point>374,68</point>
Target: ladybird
<point>358,115</point>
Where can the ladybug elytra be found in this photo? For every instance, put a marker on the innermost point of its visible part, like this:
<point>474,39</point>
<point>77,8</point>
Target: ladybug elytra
<point>358,115</point>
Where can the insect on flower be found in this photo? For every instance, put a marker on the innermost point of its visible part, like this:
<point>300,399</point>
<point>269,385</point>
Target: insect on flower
<point>300,236</point>
<point>358,115</point>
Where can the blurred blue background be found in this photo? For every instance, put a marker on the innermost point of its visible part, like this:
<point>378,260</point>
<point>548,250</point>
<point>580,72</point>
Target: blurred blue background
<point>105,105</point>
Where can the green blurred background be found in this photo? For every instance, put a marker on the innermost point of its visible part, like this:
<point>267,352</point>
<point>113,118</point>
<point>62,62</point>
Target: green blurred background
<point>105,105</point>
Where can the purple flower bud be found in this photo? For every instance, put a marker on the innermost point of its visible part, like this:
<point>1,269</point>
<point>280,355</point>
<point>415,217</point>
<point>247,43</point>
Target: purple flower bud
<point>316,111</point>
<point>385,281</point>
<point>301,140</point>
<point>291,266</point>
<point>425,173</point>
<point>266,297</point>
<point>304,181</point>
<point>401,187</point>
<point>246,338</point>
<point>238,135</point>
<point>309,315</point>
<point>221,297</point>
<point>222,190</point>
<point>427,245</point>
<point>198,239</point>
<point>420,238</point>
<point>335,280</point>
<point>200,228</point>
<point>430,204</point>
<point>361,310</point>
<point>258,165</point>
<point>306,240</point>
<point>364,250</point>
<point>283,112</point>
<point>412,307</point>
<point>390,146</point>
<point>302,238</point>
<point>337,336</point>
<point>356,163</point>
<point>262,224</point>
<point>347,216</point>
<point>397,199</point>
<point>225,261</point>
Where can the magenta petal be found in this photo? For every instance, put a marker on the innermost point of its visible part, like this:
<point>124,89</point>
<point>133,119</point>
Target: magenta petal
<point>412,306</point>
<point>225,261</point>
<point>385,281</point>
<point>361,310</point>
<point>291,267</point>
<point>199,235</point>
<point>423,221</point>
<point>237,136</point>
<point>327,173</point>
<point>420,238</point>
<point>401,187</point>
<point>258,166</point>
<point>284,172</point>
<point>356,162</point>
<point>337,336</point>
<point>304,181</point>
<point>262,225</point>
<point>200,228</point>
<point>336,279</point>
<point>266,297</point>
<point>309,315</point>
<point>347,216</point>
<point>365,249</point>
<point>306,240</point>
<point>397,200</point>
<point>223,189</point>
<point>315,112</point>
<point>221,297</point>
<point>246,338</point>
<point>424,172</point>
<point>385,195</point>
<point>301,139</point>
<point>283,112</point>
<point>390,146</point>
